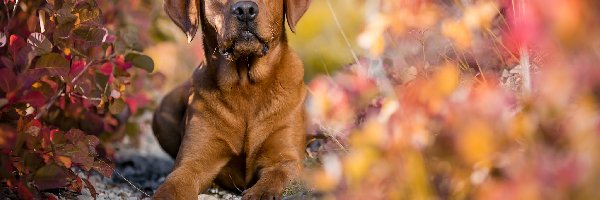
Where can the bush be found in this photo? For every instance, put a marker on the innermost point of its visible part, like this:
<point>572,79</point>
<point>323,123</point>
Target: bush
<point>70,82</point>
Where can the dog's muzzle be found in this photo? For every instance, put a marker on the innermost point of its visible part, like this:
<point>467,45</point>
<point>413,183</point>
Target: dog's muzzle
<point>245,11</point>
<point>245,41</point>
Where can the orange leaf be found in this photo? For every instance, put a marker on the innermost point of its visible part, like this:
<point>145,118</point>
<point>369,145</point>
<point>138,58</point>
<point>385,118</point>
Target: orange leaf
<point>66,161</point>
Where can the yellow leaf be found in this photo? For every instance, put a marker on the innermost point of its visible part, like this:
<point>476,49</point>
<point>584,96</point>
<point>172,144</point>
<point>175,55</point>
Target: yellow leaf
<point>458,32</point>
<point>521,127</point>
<point>480,15</point>
<point>446,79</point>
<point>36,85</point>
<point>358,163</point>
<point>371,135</point>
<point>418,179</point>
<point>67,51</point>
<point>476,143</point>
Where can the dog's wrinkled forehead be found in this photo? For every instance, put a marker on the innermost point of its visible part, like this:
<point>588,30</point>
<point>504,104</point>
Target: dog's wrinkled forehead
<point>186,13</point>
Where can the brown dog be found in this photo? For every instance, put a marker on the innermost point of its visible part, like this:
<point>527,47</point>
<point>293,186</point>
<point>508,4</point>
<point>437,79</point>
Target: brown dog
<point>240,120</point>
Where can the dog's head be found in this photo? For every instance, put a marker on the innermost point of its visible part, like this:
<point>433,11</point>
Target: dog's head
<point>241,28</point>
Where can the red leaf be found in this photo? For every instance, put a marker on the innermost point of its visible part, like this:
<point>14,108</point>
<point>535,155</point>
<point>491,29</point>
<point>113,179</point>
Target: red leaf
<point>103,168</point>
<point>23,191</point>
<point>92,142</point>
<point>52,133</point>
<point>36,123</point>
<point>106,69</point>
<point>7,136</point>
<point>35,98</point>
<point>136,101</point>
<point>122,63</point>
<point>76,67</point>
<point>75,135</point>
<point>8,80</point>
<point>16,43</point>
<point>51,197</point>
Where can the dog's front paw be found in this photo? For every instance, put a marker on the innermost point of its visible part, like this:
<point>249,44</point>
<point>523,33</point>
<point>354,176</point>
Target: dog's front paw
<point>179,185</point>
<point>261,193</point>
<point>165,192</point>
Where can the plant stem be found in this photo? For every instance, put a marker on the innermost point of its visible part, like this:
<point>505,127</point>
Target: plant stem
<point>524,59</point>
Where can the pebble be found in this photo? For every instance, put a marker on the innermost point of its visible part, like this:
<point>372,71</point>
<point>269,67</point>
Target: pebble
<point>207,197</point>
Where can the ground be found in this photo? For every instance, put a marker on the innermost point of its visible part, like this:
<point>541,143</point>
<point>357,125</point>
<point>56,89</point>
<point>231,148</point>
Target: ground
<point>144,165</point>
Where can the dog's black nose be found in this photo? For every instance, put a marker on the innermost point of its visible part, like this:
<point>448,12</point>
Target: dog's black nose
<point>245,11</point>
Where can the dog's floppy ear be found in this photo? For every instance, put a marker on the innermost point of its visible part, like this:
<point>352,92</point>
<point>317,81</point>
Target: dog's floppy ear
<point>186,14</point>
<point>294,9</point>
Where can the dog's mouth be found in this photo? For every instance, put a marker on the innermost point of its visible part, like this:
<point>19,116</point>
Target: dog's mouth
<point>244,44</point>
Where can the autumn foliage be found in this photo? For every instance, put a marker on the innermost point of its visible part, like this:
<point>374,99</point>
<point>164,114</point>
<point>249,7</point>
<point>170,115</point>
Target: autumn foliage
<point>70,80</point>
<point>480,100</point>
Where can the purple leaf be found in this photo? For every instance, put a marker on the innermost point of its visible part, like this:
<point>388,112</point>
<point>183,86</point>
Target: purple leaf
<point>39,43</point>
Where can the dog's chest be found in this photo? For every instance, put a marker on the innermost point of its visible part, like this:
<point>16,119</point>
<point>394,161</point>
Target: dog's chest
<point>244,107</point>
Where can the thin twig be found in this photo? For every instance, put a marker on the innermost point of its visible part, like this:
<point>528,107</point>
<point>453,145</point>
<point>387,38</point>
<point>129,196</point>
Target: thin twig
<point>336,132</point>
<point>59,93</point>
<point>232,181</point>
<point>82,71</point>
<point>525,61</point>
<point>480,70</point>
<point>14,9</point>
<point>497,40</point>
<point>126,180</point>
<point>339,26</point>
<point>50,103</point>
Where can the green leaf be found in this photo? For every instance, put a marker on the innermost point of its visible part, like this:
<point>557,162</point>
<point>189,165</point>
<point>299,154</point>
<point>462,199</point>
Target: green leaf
<point>62,31</point>
<point>141,61</point>
<point>50,177</point>
<point>132,129</point>
<point>39,43</point>
<point>117,106</point>
<point>52,60</point>
<point>93,35</point>
<point>65,16</point>
<point>88,15</point>
<point>101,81</point>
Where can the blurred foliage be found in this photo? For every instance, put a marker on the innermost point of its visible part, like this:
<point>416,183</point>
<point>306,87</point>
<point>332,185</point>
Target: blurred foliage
<point>439,108</point>
<point>318,39</point>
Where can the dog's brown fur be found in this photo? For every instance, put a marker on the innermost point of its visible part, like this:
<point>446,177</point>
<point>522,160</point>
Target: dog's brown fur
<point>240,120</point>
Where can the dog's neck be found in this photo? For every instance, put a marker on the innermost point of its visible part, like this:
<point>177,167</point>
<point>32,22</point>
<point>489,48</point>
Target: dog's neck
<point>242,71</point>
